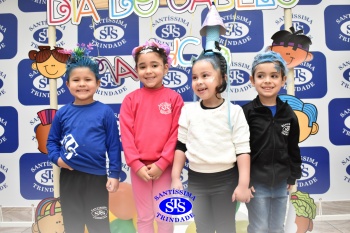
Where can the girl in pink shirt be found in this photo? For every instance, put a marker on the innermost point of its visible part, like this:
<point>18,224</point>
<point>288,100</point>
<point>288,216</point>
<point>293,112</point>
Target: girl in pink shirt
<point>149,122</point>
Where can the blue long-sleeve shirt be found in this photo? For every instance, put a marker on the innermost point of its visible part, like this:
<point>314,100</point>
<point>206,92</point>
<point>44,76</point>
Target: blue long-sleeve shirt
<point>82,134</point>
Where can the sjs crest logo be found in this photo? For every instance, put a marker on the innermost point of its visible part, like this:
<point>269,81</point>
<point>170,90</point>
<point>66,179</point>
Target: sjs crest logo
<point>3,171</point>
<point>300,22</point>
<point>306,85</point>
<point>8,36</point>
<point>41,34</point>
<point>33,88</point>
<point>36,176</point>
<point>345,68</point>
<point>168,28</point>
<point>239,77</point>
<point>175,205</point>
<point>110,35</point>
<point>339,121</point>
<point>108,86</point>
<point>179,80</point>
<point>8,129</point>
<point>170,31</point>
<point>99,212</point>
<point>346,163</point>
<point>239,25</point>
<point>315,178</point>
<point>337,27</point>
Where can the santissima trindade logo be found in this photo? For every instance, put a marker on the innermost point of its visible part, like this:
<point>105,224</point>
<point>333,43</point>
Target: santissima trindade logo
<point>175,205</point>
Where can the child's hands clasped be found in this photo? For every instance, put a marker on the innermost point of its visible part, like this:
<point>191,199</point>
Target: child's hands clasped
<point>242,194</point>
<point>143,174</point>
<point>154,171</point>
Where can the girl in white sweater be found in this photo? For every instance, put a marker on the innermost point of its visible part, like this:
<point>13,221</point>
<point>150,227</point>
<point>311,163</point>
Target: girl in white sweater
<point>214,137</point>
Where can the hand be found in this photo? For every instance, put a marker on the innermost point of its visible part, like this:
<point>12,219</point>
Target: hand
<point>290,188</point>
<point>143,174</point>
<point>242,194</point>
<point>62,164</point>
<point>112,185</point>
<point>154,171</point>
<point>176,184</point>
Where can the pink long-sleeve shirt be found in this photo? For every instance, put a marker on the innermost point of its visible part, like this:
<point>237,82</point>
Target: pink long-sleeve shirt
<point>148,124</point>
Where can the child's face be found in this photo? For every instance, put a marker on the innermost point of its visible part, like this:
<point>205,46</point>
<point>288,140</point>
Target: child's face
<point>82,85</point>
<point>151,70</point>
<point>268,81</point>
<point>205,79</point>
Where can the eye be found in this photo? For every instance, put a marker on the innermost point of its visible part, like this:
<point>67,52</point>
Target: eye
<point>194,78</point>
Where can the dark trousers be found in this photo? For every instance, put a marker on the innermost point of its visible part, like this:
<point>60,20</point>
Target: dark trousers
<point>213,208</point>
<point>84,201</point>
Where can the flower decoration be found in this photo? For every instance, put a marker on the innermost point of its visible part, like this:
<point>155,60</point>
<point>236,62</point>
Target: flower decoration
<point>82,50</point>
<point>152,46</point>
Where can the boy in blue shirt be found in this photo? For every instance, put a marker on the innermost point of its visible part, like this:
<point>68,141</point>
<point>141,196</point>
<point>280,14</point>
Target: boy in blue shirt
<point>80,135</point>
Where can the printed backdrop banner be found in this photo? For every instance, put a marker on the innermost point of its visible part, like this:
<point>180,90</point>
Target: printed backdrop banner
<point>322,85</point>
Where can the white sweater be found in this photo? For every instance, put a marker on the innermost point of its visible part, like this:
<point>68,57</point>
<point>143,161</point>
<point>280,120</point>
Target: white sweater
<point>211,145</point>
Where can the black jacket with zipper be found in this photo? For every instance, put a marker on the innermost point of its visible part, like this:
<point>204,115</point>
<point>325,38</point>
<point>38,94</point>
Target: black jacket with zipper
<point>275,153</point>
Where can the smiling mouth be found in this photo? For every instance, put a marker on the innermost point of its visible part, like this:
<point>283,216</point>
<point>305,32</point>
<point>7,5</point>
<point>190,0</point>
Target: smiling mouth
<point>50,73</point>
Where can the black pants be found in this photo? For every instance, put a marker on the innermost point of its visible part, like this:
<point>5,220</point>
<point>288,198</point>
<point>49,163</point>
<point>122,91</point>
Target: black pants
<point>213,208</point>
<point>84,201</point>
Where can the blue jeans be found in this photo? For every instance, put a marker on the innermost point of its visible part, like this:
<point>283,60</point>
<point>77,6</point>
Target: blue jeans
<point>267,210</point>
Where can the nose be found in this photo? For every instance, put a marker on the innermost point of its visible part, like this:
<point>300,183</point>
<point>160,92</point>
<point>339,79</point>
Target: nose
<point>267,79</point>
<point>148,69</point>
<point>82,83</point>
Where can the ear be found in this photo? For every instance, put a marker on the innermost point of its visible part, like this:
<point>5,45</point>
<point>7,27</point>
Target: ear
<point>35,227</point>
<point>251,78</point>
<point>314,129</point>
<point>34,66</point>
<point>284,79</point>
<point>166,68</point>
<point>98,82</point>
<point>309,56</point>
<point>67,84</point>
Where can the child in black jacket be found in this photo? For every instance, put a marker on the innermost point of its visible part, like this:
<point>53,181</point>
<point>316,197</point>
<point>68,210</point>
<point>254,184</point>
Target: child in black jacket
<point>274,138</point>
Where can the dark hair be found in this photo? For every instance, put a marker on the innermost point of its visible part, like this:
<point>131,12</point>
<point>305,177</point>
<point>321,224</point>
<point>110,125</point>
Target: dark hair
<point>294,39</point>
<point>147,49</point>
<point>82,62</point>
<point>45,53</point>
<point>219,63</point>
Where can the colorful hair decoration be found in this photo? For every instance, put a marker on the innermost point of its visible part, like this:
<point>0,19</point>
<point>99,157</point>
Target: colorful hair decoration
<point>79,57</point>
<point>79,52</point>
<point>152,46</point>
<point>273,57</point>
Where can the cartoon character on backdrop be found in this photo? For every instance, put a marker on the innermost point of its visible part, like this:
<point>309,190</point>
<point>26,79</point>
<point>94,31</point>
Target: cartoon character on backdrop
<point>42,130</point>
<point>50,64</point>
<point>306,113</point>
<point>48,217</point>
<point>292,46</point>
<point>303,208</point>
